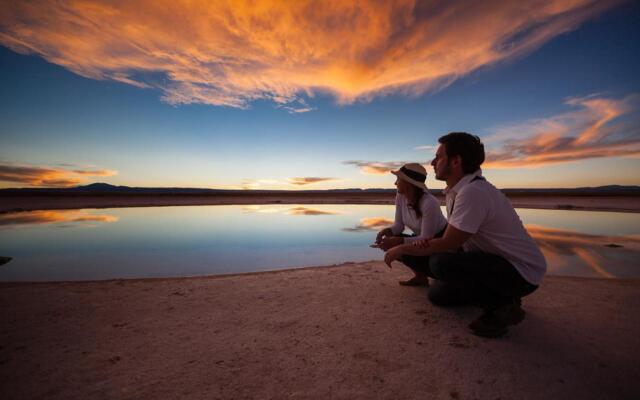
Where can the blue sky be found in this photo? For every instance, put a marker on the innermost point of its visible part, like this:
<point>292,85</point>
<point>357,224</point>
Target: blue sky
<point>582,78</point>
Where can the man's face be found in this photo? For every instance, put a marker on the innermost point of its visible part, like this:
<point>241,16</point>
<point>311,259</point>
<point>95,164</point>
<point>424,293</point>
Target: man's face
<point>440,164</point>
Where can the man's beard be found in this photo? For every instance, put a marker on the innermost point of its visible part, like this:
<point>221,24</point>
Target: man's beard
<point>442,173</point>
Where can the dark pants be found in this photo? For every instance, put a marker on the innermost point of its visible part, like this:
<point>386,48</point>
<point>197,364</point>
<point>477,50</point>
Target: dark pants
<point>474,277</point>
<point>420,264</point>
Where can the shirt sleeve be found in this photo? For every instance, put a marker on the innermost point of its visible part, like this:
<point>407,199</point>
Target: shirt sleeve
<point>398,224</point>
<point>470,210</point>
<point>429,223</point>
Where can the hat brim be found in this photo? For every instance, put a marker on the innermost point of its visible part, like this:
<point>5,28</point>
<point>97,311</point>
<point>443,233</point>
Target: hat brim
<point>405,178</point>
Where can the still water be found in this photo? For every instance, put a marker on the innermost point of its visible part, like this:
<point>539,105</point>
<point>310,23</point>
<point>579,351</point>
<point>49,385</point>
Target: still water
<point>207,240</point>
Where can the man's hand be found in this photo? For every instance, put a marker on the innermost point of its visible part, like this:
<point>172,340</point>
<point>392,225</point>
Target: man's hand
<point>390,242</point>
<point>392,255</point>
<point>421,244</point>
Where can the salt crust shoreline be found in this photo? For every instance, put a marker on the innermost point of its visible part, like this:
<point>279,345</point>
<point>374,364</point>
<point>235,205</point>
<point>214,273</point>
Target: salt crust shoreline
<point>346,332</point>
<point>31,203</point>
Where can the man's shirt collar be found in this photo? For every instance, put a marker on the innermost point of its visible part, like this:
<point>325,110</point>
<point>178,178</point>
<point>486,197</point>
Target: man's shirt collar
<point>462,182</point>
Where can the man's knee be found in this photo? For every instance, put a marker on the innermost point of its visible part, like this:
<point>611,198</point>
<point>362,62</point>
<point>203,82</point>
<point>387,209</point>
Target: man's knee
<point>438,264</point>
<point>419,264</point>
<point>445,294</point>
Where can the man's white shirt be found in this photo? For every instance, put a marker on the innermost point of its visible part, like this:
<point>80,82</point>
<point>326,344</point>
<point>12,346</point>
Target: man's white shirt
<point>480,209</point>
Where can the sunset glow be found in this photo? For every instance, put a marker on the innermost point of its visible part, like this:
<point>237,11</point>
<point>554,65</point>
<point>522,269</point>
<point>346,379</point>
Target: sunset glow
<point>314,95</point>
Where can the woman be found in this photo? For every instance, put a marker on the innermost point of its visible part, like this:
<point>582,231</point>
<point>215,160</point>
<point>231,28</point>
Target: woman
<point>417,210</point>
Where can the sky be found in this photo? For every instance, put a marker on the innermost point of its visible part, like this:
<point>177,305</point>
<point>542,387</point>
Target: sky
<point>316,95</point>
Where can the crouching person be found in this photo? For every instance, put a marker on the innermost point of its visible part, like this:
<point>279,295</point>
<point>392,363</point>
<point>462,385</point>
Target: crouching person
<point>418,210</point>
<point>499,262</point>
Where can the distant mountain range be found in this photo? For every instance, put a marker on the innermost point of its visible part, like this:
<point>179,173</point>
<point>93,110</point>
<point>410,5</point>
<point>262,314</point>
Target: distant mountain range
<point>105,188</point>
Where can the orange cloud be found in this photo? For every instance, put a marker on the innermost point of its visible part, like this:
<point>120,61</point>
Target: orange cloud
<point>600,127</point>
<point>308,180</point>
<point>232,53</point>
<point>47,176</point>
<point>370,224</point>
<point>101,172</point>
<point>51,217</point>
<point>376,167</point>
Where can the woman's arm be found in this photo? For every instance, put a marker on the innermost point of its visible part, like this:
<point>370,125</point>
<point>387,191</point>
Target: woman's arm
<point>398,224</point>
<point>389,237</point>
<point>452,240</point>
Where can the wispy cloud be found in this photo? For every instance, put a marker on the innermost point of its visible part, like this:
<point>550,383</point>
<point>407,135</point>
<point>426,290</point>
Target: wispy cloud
<point>376,167</point>
<point>100,172</point>
<point>598,127</point>
<point>47,176</point>
<point>249,184</point>
<point>308,180</point>
<point>370,224</point>
<point>425,147</point>
<point>232,53</point>
<point>51,217</point>
<point>298,107</point>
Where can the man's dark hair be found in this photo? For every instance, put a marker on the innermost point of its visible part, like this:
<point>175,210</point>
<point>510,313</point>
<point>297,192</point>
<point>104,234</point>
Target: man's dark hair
<point>467,146</point>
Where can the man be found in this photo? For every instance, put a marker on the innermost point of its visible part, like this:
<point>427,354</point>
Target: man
<point>500,263</point>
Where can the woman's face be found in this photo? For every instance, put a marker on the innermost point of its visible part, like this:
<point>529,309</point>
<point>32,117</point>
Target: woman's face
<point>403,186</point>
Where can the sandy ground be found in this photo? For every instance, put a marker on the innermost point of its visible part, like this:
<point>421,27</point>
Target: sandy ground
<point>344,332</point>
<point>28,203</point>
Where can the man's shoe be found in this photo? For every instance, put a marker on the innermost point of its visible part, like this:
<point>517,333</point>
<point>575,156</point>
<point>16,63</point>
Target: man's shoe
<point>415,281</point>
<point>494,322</point>
<point>513,314</point>
<point>489,325</point>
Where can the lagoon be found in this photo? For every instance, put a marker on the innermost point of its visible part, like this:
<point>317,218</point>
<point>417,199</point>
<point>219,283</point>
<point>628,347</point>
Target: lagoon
<point>96,244</point>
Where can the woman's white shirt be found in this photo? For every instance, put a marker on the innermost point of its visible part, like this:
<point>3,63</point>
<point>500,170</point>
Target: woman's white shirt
<point>432,221</point>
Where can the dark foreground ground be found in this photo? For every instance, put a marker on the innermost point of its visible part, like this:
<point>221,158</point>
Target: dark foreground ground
<point>345,332</point>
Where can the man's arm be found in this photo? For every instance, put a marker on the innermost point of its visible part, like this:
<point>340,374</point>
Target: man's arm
<point>451,241</point>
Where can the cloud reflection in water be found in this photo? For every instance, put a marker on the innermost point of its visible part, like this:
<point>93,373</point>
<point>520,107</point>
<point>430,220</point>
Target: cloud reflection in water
<point>370,224</point>
<point>298,210</point>
<point>567,252</point>
<point>79,217</point>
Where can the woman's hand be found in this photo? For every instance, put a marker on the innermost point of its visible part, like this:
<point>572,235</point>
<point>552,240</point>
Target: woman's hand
<point>382,234</point>
<point>390,242</point>
<point>393,255</point>
<point>421,244</point>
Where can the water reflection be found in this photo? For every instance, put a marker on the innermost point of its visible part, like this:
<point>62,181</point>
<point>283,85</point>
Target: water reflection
<point>310,211</point>
<point>370,224</point>
<point>206,240</point>
<point>574,253</point>
<point>299,210</point>
<point>568,252</point>
<point>53,217</point>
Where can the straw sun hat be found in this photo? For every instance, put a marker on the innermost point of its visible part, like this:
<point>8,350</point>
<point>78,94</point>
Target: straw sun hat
<point>413,173</point>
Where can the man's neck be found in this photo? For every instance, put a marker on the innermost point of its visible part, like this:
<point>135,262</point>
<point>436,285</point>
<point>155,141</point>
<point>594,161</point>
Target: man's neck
<point>454,179</point>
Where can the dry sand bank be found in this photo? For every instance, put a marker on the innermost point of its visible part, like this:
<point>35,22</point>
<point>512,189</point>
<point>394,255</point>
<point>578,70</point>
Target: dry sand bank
<point>346,332</point>
<point>28,203</point>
